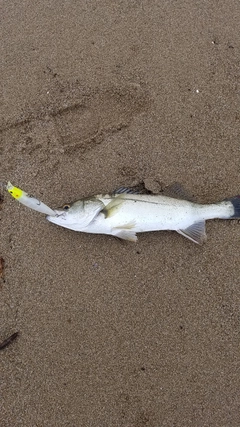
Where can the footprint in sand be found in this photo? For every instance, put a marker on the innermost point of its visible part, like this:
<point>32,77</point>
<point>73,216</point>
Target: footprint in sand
<point>77,118</point>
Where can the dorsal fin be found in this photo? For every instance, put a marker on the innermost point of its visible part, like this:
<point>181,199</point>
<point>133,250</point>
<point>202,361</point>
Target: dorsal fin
<point>136,189</point>
<point>177,191</point>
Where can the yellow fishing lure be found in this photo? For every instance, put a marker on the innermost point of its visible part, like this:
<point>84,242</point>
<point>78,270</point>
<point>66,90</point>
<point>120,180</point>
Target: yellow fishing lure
<point>28,200</point>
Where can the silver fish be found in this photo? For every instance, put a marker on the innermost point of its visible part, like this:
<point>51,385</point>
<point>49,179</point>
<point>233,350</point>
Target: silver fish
<point>126,212</point>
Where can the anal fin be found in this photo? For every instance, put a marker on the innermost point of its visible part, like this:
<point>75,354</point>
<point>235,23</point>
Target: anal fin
<point>196,232</point>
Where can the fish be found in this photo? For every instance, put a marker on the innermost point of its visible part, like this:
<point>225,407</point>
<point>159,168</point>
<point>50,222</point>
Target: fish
<point>129,211</point>
<point>28,200</point>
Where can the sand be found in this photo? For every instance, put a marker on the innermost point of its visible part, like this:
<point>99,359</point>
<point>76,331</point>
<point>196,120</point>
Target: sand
<point>95,95</point>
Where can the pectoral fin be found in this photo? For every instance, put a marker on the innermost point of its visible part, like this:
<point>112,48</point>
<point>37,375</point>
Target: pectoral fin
<point>111,208</point>
<point>196,232</point>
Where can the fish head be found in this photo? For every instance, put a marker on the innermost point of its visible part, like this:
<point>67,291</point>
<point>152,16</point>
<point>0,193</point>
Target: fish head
<point>77,215</point>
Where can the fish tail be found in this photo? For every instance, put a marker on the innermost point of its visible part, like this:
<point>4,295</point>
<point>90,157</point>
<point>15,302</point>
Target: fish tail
<point>236,206</point>
<point>226,209</point>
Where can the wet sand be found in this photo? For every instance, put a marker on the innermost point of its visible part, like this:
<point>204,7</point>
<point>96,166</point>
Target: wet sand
<point>96,95</point>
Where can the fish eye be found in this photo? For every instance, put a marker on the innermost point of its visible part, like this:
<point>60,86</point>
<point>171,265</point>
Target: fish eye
<point>66,207</point>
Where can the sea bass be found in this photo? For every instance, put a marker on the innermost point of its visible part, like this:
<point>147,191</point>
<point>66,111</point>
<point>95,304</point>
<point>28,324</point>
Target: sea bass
<point>126,212</point>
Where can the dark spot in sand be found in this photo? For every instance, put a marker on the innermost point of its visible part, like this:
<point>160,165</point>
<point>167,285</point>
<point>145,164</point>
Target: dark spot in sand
<point>2,264</point>
<point>8,340</point>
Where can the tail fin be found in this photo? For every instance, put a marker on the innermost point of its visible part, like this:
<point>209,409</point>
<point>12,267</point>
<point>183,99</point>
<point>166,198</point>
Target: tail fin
<point>236,205</point>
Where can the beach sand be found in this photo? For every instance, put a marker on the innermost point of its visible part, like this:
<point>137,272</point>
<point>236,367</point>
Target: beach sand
<point>96,95</point>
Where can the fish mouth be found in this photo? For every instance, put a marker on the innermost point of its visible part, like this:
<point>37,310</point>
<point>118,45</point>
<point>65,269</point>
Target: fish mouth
<point>58,213</point>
